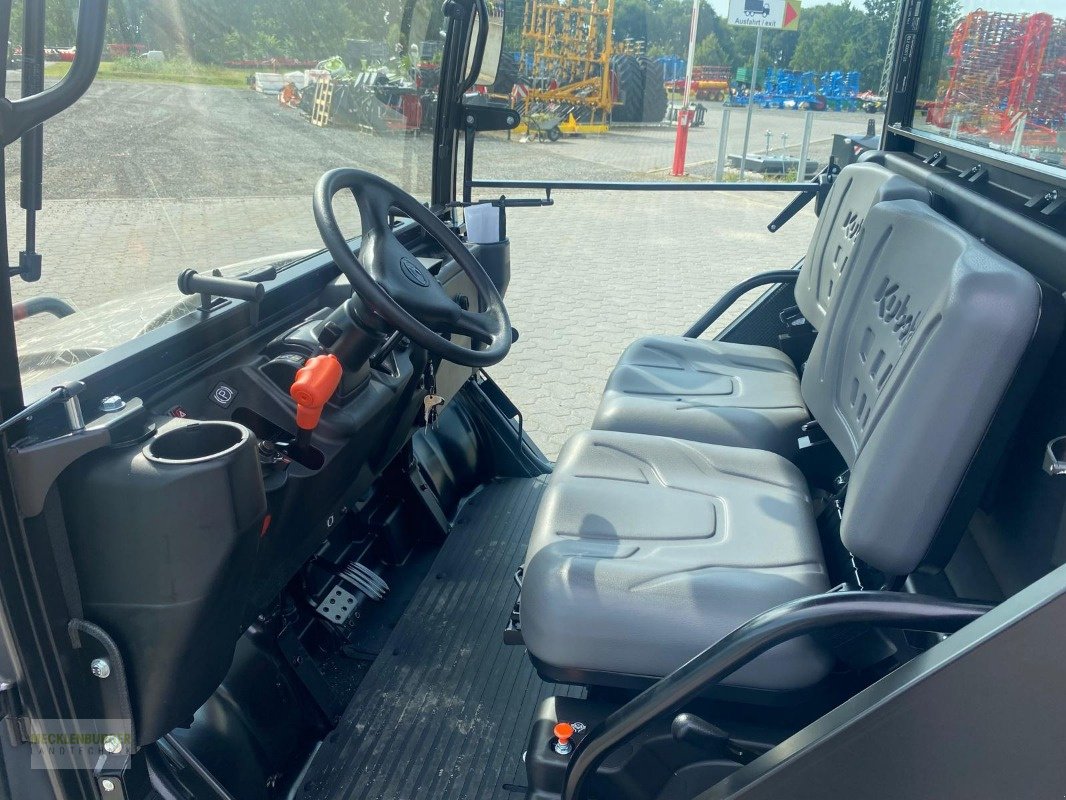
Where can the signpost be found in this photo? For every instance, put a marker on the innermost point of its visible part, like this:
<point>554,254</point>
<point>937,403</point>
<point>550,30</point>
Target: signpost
<point>780,15</point>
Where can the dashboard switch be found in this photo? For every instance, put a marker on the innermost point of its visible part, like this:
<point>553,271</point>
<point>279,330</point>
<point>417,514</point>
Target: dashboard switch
<point>315,383</point>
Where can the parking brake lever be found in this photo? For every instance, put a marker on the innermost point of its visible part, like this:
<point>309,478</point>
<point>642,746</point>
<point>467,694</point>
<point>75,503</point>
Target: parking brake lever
<point>314,385</point>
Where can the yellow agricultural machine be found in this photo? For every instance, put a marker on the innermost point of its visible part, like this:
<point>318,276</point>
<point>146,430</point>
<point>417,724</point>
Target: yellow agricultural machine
<point>578,79</point>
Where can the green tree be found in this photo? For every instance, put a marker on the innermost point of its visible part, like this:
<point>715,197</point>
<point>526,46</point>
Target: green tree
<point>831,37</point>
<point>709,52</point>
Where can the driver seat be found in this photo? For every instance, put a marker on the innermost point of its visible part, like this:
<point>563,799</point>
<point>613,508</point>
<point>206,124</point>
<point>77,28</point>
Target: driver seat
<point>646,550</point>
<point>740,394</point>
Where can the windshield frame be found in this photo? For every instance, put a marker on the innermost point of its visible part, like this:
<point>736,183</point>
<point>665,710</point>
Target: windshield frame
<point>457,42</point>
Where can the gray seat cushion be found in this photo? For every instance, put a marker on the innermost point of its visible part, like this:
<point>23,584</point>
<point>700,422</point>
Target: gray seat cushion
<point>716,392</point>
<point>745,395</point>
<point>646,550</point>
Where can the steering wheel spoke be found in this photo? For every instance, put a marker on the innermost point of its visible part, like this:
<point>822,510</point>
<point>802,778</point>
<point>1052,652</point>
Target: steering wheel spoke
<point>397,286</point>
<point>477,325</point>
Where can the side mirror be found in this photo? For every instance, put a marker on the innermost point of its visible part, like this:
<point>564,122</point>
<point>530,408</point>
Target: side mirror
<point>490,60</point>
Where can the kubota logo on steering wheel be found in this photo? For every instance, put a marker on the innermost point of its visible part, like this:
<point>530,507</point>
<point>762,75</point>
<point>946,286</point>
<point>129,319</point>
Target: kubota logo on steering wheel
<point>414,271</point>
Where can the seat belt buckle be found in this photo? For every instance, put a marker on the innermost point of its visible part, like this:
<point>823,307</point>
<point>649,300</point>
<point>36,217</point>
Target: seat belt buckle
<point>811,435</point>
<point>792,317</point>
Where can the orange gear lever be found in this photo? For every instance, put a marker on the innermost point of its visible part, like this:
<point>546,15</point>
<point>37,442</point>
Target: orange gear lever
<point>314,385</point>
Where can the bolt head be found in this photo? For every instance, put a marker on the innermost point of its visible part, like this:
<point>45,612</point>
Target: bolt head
<point>101,667</point>
<point>107,785</point>
<point>112,403</point>
<point>112,744</point>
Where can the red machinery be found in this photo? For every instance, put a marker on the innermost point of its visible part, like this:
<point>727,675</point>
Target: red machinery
<point>1006,70</point>
<point>708,83</point>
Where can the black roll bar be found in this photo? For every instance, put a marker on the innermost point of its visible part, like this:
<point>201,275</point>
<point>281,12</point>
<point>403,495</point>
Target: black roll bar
<point>648,186</point>
<point>780,624</point>
<point>711,315</point>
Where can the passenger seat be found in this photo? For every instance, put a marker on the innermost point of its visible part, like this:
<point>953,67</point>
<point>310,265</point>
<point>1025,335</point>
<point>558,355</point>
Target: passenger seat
<point>647,549</point>
<point>739,394</point>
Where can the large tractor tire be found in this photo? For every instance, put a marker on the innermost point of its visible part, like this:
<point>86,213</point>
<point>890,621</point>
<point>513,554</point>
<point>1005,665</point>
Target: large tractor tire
<point>506,75</point>
<point>654,97</point>
<point>630,78</point>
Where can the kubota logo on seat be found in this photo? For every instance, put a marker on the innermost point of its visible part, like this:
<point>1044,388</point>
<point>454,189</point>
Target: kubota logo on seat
<point>892,307</point>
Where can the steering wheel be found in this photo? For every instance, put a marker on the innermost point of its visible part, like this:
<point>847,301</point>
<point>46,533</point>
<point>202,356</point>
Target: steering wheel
<point>394,284</point>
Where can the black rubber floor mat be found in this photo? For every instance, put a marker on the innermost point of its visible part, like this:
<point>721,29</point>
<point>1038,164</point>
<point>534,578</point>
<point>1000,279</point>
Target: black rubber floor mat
<point>444,712</point>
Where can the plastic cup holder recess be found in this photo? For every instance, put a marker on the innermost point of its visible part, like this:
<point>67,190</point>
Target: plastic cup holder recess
<point>196,442</point>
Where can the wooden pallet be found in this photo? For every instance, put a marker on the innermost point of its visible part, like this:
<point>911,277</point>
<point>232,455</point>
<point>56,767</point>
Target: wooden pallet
<point>323,108</point>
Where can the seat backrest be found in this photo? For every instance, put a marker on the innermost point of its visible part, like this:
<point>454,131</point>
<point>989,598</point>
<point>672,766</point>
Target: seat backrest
<point>907,373</point>
<point>855,191</point>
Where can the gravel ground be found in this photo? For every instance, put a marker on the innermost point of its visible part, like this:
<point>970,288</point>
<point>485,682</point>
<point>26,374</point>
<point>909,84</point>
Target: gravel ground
<point>143,180</point>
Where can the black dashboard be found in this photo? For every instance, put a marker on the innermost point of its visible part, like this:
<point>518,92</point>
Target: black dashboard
<point>191,510</point>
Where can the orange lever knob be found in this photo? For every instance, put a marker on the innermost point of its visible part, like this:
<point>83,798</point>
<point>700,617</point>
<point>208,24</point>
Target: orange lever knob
<point>315,383</point>
<point>563,731</point>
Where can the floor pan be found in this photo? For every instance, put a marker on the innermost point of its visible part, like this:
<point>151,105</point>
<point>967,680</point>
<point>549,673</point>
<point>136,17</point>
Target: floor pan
<point>444,711</point>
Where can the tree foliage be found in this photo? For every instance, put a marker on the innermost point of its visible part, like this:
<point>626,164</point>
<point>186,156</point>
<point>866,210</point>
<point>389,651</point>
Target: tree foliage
<point>845,35</point>
<point>219,30</point>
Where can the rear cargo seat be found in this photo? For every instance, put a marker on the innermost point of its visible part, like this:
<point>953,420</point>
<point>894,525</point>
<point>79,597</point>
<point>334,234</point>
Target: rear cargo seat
<point>738,394</point>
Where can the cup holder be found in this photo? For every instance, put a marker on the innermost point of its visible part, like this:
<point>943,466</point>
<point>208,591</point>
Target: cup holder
<point>195,442</point>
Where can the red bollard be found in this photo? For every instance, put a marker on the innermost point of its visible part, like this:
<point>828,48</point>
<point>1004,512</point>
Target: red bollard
<point>684,119</point>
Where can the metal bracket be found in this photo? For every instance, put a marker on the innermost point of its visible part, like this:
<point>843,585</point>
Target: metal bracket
<point>490,116</point>
<point>1055,457</point>
<point>937,160</point>
<point>977,174</point>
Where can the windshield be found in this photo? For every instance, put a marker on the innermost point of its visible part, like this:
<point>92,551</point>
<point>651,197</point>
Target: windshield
<point>994,75</point>
<point>199,144</point>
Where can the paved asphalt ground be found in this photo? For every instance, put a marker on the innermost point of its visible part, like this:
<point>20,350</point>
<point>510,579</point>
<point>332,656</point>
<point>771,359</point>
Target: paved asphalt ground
<point>143,180</point>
